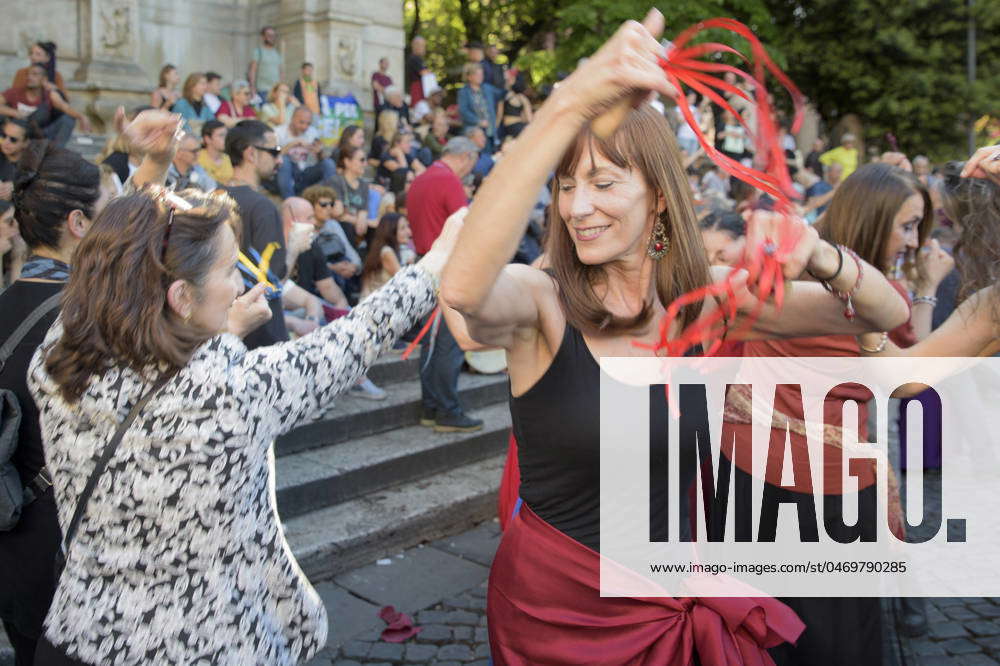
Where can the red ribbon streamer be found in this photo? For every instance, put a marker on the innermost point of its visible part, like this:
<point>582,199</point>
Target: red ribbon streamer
<point>420,336</point>
<point>764,262</point>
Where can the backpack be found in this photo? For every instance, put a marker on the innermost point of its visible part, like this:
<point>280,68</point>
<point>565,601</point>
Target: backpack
<point>14,496</point>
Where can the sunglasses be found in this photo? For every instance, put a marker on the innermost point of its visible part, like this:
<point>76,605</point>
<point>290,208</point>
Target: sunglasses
<point>325,204</point>
<point>274,152</point>
<point>12,139</point>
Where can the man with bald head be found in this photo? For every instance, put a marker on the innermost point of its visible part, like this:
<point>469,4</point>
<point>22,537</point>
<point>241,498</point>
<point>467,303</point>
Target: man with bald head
<point>184,171</point>
<point>303,164</point>
<point>311,272</point>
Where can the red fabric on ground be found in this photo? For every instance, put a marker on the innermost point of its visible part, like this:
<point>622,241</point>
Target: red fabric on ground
<point>401,627</point>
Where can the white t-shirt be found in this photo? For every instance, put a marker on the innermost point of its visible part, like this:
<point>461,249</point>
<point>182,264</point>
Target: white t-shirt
<point>212,101</point>
<point>298,154</point>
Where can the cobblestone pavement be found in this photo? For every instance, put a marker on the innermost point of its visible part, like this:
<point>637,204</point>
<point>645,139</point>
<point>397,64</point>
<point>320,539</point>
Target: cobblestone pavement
<point>442,585</point>
<point>962,631</point>
<point>454,632</point>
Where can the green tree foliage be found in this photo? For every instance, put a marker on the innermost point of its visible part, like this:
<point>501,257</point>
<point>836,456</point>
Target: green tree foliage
<point>588,23</point>
<point>515,26</point>
<point>899,64</point>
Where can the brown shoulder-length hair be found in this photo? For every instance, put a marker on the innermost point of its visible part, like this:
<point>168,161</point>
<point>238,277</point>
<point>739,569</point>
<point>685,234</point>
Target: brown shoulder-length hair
<point>163,74</point>
<point>645,144</point>
<point>114,307</point>
<point>861,212</point>
<point>189,83</point>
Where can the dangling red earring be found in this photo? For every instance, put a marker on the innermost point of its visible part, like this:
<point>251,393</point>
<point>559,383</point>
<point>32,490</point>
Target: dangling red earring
<point>659,243</point>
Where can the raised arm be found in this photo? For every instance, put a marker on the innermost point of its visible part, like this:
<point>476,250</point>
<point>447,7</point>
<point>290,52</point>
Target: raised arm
<point>497,299</point>
<point>299,379</point>
<point>154,134</point>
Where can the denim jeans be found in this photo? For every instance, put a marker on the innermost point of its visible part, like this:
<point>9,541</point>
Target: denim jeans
<point>439,374</point>
<point>60,130</point>
<point>292,180</point>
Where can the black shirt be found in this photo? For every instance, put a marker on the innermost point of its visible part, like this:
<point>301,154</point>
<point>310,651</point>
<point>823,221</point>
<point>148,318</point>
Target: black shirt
<point>27,577</point>
<point>379,146</point>
<point>16,303</point>
<point>414,65</point>
<point>311,268</point>
<point>119,162</point>
<point>7,169</point>
<point>262,225</point>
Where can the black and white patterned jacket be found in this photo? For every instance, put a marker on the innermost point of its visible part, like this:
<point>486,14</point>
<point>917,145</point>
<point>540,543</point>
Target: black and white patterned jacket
<point>180,557</point>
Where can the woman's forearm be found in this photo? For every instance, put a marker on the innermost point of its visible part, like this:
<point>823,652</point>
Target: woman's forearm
<point>969,331</point>
<point>496,220</point>
<point>874,300</point>
<point>921,315</point>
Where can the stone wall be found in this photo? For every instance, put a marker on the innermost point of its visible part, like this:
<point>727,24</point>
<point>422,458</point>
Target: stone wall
<point>111,51</point>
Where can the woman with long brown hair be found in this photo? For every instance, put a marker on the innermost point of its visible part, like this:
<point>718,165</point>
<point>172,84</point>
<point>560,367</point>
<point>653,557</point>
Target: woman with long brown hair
<point>883,216</point>
<point>176,554</point>
<point>971,198</point>
<point>623,244</point>
<point>385,257</point>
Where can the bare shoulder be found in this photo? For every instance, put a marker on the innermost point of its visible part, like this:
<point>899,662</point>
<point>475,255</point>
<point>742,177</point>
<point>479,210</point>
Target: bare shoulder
<point>534,279</point>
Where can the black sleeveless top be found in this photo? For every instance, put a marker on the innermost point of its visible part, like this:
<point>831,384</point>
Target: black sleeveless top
<point>512,110</point>
<point>557,427</point>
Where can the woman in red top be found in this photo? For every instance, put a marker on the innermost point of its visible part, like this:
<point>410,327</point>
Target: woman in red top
<point>623,244</point>
<point>972,328</point>
<point>883,214</point>
<point>238,108</point>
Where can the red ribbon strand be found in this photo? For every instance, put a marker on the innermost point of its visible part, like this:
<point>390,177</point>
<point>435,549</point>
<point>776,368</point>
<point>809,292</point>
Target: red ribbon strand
<point>763,263</point>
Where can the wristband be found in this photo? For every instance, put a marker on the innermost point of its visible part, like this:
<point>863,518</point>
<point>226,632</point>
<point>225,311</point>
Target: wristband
<point>840,266</point>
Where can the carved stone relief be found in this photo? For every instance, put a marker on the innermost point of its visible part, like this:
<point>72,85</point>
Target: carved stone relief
<point>347,56</point>
<point>115,35</point>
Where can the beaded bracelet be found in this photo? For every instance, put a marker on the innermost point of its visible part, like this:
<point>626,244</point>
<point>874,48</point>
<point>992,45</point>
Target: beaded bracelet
<point>929,300</point>
<point>883,341</point>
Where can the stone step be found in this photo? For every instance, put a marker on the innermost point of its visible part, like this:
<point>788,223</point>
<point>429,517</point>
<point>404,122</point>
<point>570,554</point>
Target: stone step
<point>315,479</point>
<point>352,417</point>
<point>89,146</point>
<point>391,368</point>
<point>344,536</point>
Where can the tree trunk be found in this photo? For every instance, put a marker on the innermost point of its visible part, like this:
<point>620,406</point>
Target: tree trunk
<point>473,29</point>
<point>415,26</point>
